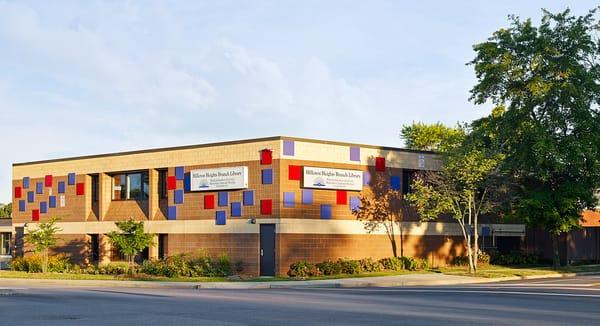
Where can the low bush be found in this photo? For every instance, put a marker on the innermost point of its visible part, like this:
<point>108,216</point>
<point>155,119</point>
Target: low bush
<point>392,263</point>
<point>33,263</point>
<point>114,268</point>
<point>303,269</point>
<point>370,265</point>
<point>423,264</point>
<point>185,265</point>
<point>329,267</point>
<point>483,258</point>
<point>409,263</point>
<point>349,266</point>
<point>515,258</point>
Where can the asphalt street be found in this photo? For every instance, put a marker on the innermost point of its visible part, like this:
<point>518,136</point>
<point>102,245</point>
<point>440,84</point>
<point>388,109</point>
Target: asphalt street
<point>568,301</point>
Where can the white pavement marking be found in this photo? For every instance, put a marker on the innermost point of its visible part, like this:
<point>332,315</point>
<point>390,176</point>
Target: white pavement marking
<point>471,291</point>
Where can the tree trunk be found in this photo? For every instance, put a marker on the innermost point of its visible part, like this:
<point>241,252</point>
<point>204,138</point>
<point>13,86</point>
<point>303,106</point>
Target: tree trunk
<point>556,253</point>
<point>470,254</point>
<point>475,246</point>
<point>394,250</point>
<point>401,241</point>
<point>45,261</point>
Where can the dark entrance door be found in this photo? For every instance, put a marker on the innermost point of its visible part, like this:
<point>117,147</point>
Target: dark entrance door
<point>267,249</point>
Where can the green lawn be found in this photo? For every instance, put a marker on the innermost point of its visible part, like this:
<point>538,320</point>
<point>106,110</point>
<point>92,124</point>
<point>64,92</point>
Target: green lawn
<point>494,271</point>
<point>136,277</point>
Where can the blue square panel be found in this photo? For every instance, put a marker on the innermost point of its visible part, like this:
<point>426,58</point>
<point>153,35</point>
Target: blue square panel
<point>326,211</point>
<point>43,207</point>
<point>366,178</point>
<point>61,187</point>
<point>71,179</point>
<point>288,199</point>
<point>52,201</point>
<point>220,218</point>
<point>307,196</point>
<point>236,209</point>
<point>172,213</point>
<point>288,147</point>
<point>223,198</point>
<point>30,197</point>
<point>179,173</point>
<point>178,198</point>
<point>21,205</point>
<point>395,182</point>
<point>267,176</point>
<point>354,203</point>
<point>26,183</point>
<point>249,198</point>
<point>39,188</point>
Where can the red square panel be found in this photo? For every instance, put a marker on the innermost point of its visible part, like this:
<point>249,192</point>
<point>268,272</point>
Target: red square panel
<point>48,181</point>
<point>380,164</point>
<point>341,197</point>
<point>266,206</point>
<point>18,192</point>
<point>80,189</point>
<point>35,215</point>
<point>266,157</point>
<point>209,201</point>
<point>294,172</point>
<point>171,182</point>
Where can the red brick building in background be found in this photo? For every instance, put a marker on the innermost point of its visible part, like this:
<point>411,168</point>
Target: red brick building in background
<point>267,202</point>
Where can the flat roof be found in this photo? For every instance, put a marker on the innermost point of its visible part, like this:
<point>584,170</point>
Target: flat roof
<point>224,143</point>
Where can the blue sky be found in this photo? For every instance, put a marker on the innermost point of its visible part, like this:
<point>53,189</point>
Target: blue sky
<point>91,77</point>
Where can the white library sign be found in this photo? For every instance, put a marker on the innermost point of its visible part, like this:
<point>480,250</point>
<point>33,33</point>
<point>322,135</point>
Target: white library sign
<point>219,179</point>
<point>323,178</point>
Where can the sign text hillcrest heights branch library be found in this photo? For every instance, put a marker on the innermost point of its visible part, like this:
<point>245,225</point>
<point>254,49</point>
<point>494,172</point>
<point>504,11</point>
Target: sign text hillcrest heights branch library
<point>268,202</point>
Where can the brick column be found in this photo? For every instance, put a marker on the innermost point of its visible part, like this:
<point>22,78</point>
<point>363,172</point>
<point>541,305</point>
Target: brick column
<point>153,204</point>
<point>105,249</point>
<point>153,249</point>
<point>105,194</point>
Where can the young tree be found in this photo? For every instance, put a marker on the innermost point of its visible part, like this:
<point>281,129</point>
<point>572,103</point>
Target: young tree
<point>382,207</point>
<point>462,188</point>
<point>545,82</point>
<point>43,238</point>
<point>131,239</point>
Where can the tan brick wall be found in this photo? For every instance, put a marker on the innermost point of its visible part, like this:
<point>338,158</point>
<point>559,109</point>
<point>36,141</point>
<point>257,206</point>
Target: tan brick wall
<point>438,250</point>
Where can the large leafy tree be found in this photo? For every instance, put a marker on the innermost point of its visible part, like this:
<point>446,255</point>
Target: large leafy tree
<point>43,238</point>
<point>545,83</point>
<point>5,210</point>
<point>131,239</point>
<point>431,137</point>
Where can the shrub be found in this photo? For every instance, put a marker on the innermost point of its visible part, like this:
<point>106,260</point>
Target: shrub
<point>33,263</point>
<point>349,266</point>
<point>239,266</point>
<point>423,264</point>
<point>330,267</point>
<point>392,263</point>
<point>483,258</point>
<point>370,265</point>
<point>115,268</point>
<point>185,265</point>
<point>408,263</point>
<point>460,261</point>
<point>303,269</point>
<point>223,266</point>
<point>515,258</point>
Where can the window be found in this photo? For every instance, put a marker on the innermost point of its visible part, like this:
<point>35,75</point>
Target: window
<point>407,179</point>
<point>162,184</point>
<point>95,188</point>
<point>5,244</point>
<point>130,186</point>
<point>95,246</point>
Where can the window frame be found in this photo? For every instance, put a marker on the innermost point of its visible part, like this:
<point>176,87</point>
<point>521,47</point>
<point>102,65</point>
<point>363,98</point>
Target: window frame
<point>144,185</point>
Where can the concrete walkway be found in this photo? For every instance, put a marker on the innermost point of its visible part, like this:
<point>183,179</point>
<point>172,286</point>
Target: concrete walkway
<point>417,279</point>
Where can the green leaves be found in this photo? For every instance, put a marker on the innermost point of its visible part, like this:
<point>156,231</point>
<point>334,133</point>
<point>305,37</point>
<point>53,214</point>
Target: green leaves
<point>433,137</point>
<point>132,239</point>
<point>43,237</point>
<point>547,80</point>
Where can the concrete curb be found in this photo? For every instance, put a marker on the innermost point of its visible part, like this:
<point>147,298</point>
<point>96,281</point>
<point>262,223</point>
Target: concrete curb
<point>424,279</point>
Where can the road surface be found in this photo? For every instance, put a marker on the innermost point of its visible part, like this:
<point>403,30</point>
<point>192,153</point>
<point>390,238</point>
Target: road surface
<point>568,301</point>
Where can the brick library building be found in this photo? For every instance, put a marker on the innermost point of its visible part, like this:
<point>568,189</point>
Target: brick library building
<point>268,202</point>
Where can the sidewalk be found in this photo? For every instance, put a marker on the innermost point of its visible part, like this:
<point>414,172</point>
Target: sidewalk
<point>421,279</point>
